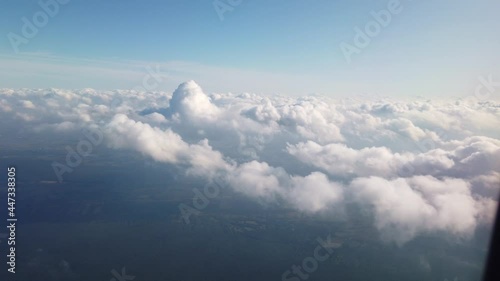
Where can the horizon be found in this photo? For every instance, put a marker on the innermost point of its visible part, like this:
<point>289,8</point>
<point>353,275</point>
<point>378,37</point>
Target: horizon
<point>249,140</point>
<point>333,46</point>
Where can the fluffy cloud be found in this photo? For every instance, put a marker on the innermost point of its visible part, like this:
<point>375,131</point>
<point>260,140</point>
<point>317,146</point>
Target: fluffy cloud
<point>421,166</point>
<point>404,208</point>
<point>315,192</point>
<point>467,158</point>
<point>189,101</point>
<point>163,145</point>
<point>311,193</point>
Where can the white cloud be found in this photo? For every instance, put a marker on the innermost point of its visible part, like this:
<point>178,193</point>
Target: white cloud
<point>190,102</point>
<point>315,192</point>
<point>27,104</point>
<point>404,208</point>
<point>311,193</point>
<point>423,166</point>
<point>163,145</point>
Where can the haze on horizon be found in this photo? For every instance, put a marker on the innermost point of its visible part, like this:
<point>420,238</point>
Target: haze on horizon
<point>237,139</point>
<point>421,48</point>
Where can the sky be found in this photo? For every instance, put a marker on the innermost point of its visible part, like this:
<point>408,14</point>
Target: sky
<point>205,103</point>
<point>427,48</point>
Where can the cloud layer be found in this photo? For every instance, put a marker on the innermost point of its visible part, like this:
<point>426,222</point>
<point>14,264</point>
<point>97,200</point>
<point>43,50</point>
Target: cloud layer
<point>419,166</point>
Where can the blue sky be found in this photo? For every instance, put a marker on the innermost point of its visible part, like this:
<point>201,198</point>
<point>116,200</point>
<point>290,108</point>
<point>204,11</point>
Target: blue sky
<point>429,48</point>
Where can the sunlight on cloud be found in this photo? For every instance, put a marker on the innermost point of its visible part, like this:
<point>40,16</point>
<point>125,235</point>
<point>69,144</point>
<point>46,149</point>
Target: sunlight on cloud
<point>420,166</point>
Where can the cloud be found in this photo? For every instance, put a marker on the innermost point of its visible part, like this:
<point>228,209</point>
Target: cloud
<point>189,101</point>
<point>406,207</point>
<point>27,104</point>
<point>467,158</point>
<point>339,160</point>
<point>421,166</point>
<point>315,192</point>
<point>311,193</point>
<point>163,145</point>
